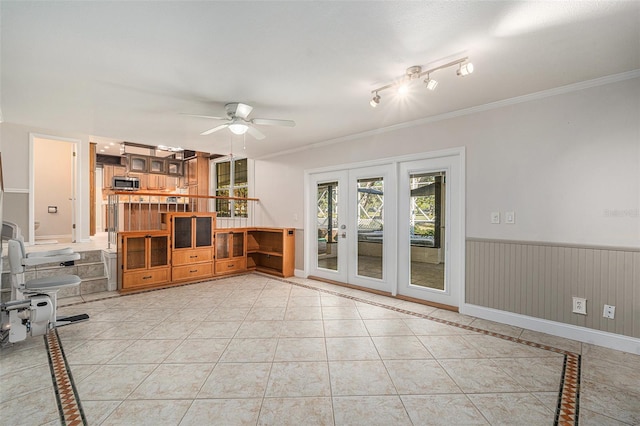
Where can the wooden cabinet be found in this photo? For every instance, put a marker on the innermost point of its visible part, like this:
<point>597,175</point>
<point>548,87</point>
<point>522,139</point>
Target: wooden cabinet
<point>143,178</point>
<point>138,163</point>
<point>108,172</point>
<point>157,165</point>
<point>230,251</point>
<point>174,167</point>
<point>271,250</point>
<point>156,182</point>
<point>143,259</point>
<point>192,245</point>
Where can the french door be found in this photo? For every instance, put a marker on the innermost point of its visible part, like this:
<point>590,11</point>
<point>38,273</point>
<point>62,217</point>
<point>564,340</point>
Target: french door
<point>397,227</point>
<point>431,209</point>
<point>353,230</point>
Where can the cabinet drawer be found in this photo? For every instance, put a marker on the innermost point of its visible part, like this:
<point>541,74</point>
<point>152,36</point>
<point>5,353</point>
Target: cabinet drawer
<point>231,266</point>
<point>188,257</point>
<point>188,272</point>
<point>145,278</point>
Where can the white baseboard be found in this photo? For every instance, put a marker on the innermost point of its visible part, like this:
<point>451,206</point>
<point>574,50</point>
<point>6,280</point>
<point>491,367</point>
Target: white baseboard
<point>299,273</point>
<point>568,331</point>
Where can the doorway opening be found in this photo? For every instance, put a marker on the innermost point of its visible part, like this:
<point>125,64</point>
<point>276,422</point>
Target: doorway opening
<point>53,186</point>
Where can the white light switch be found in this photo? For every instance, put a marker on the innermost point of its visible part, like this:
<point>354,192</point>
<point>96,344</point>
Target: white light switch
<point>495,217</point>
<point>510,217</point>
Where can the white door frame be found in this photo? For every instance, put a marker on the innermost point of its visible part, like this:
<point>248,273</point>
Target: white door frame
<point>459,215</point>
<point>76,195</point>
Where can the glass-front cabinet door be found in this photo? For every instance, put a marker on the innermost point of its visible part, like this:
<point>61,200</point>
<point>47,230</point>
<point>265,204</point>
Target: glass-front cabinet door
<point>158,251</point>
<point>222,245</point>
<point>238,244</point>
<point>204,228</point>
<point>182,231</point>
<point>136,253</point>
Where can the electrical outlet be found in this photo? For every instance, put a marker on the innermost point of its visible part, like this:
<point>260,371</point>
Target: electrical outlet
<point>609,311</point>
<point>495,217</point>
<point>580,305</point>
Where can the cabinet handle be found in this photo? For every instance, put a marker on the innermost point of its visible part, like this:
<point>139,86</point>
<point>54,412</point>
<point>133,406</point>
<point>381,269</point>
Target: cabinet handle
<point>147,277</point>
<point>230,265</point>
<point>192,257</point>
<point>195,270</point>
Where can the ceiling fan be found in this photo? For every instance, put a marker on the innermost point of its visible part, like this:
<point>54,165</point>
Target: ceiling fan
<point>238,122</point>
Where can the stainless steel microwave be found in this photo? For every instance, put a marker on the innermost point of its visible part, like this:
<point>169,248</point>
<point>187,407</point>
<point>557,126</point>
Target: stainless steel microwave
<point>124,183</point>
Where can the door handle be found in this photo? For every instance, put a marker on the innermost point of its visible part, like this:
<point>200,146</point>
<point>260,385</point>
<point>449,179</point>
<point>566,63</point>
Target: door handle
<point>343,235</point>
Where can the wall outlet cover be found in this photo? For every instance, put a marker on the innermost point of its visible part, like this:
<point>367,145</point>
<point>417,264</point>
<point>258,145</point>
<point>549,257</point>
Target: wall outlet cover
<point>580,305</point>
<point>609,312</point>
<point>495,217</point>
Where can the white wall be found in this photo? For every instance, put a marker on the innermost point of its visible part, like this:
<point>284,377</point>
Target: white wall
<point>52,166</point>
<point>567,164</point>
<point>15,158</point>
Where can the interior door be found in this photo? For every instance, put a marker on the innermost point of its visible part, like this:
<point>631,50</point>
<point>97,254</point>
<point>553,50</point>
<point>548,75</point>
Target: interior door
<point>430,220</point>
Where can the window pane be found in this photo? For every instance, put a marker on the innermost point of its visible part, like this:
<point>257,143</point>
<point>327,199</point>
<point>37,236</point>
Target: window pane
<point>223,174</point>
<point>327,225</point>
<point>240,173</point>
<point>427,229</point>
<point>370,227</point>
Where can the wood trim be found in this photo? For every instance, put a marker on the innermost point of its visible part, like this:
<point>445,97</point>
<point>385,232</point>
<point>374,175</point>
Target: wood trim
<point>92,188</point>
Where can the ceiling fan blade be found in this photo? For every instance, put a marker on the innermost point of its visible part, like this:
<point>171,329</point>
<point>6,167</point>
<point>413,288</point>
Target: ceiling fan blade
<point>273,122</point>
<point>242,110</point>
<point>204,116</point>
<point>255,132</point>
<point>215,129</point>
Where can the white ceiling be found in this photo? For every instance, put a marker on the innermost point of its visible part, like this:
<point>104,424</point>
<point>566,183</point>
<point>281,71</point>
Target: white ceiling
<point>125,70</point>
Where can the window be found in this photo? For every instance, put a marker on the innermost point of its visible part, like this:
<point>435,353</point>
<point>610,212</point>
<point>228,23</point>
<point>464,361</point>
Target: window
<point>231,178</point>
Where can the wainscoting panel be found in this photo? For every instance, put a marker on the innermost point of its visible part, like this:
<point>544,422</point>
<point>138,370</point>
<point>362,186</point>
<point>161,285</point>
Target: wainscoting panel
<point>539,280</point>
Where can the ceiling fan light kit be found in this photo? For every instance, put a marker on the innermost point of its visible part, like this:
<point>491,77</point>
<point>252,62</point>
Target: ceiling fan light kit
<point>239,123</point>
<point>415,72</point>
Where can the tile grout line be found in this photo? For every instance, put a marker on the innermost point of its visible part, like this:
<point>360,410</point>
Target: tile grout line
<point>67,398</point>
<point>568,395</point>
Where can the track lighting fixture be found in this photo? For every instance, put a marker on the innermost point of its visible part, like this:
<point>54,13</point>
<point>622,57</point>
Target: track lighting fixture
<point>375,100</point>
<point>465,69</point>
<point>415,72</point>
<point>430,83</point>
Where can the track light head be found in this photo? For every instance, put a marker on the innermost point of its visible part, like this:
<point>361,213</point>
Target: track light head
<point>430,83</point>
<point>465,69</point>
<point>375,100</point>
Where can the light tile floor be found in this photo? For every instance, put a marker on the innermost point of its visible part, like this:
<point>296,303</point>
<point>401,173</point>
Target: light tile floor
<point>253,350</point>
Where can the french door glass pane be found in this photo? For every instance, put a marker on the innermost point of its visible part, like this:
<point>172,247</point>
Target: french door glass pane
<point>370,227</point>
<point>327,225</point>
<point>427,222</point>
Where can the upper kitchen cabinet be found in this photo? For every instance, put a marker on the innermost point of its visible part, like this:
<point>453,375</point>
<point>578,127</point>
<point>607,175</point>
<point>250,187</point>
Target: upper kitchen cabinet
<point>174,167</point>
<point>138,163</point>
<point>108,172</point>
<point>157,165</point>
